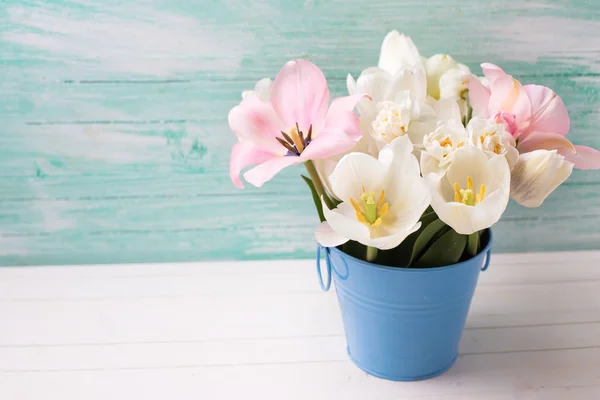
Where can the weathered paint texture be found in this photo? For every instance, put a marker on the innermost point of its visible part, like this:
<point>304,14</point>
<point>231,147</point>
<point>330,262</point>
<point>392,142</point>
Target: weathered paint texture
<point>114,143</point>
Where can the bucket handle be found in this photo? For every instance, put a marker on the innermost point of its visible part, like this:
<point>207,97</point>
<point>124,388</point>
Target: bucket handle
<point>324,286</point>
<point>488,257</point>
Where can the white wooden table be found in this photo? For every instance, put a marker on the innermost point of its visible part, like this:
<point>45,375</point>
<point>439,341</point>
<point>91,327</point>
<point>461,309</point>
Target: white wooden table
<point>264,330</point>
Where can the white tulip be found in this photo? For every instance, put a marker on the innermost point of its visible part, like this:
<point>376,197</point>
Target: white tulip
<point>440,146</point>
<point>536,175</point>
<point>474,191</point>
<point>398,52</point>
<point>493,139</point>
<point>262,90</point>
<point>382,199</point>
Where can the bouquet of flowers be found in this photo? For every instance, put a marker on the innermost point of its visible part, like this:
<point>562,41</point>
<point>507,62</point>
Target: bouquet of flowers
<point>417,161</point>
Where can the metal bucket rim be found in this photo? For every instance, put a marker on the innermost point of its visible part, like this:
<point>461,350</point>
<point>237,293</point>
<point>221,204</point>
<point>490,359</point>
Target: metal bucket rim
<point>416,270</point>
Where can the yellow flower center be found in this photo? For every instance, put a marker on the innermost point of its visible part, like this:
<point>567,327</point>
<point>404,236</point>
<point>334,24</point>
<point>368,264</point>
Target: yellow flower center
<point>371,212</point>
<point>468,196</point>
<point>447,142</point>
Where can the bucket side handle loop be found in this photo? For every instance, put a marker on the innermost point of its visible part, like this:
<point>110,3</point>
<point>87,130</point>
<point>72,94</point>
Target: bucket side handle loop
<point>488,257</point>
<point>324,285</point>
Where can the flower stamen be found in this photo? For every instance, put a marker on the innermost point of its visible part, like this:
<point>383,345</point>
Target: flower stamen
<point>295,142</point>
<point>371,213</point>
<point>468,196</point>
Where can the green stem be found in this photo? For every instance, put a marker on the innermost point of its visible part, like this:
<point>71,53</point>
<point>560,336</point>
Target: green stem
<point>371,253</point>
<point>469,113</point>
<point>314,176</point>
<point>473,244</point>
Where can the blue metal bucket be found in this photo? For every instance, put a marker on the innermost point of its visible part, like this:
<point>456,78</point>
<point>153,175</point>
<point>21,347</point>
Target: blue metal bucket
<point>403,324</point>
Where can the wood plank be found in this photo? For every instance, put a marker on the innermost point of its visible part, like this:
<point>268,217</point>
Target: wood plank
<point>130,281</point>
<point>533,375</point>
<point>237,352</point>
<point>103,41</point>
<point>161,316</point>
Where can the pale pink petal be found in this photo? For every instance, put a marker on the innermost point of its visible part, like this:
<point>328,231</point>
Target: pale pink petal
<point>479,97</point>
<point>492,72</point>
<point>260,174</point>
<point>340,132</point>
<point>509,121</point>
<point>584,158</point>
<point>346,103</point>
<point>548,112</point>
<point>545,141</point>
<point>256,121</point>
<point>508,95</point>
<point>300,94</point>
<point>243,154</point>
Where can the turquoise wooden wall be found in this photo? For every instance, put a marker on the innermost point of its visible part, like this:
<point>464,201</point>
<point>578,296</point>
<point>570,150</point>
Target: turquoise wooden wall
<point>114,142</point>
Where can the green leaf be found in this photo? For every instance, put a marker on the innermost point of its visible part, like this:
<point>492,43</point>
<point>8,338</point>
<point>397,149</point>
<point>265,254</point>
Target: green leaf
<point>400,256</point>
<point>315,196</point>
<point>446,250</point>
<point>427,218</point>
<point>426,236</point>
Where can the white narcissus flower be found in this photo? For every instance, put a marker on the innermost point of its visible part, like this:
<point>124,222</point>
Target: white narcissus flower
<point>382,199</point>
<point>404,116</point>
<point>474,191</point>
<point>380,86</point>
<point>440,146</point>
<point>493,139</point>
<point>262,90</point>
<point>536,175</point>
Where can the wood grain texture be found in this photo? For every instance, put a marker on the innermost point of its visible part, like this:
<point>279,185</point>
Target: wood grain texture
<point>113,118</point>
<point>227,330</point>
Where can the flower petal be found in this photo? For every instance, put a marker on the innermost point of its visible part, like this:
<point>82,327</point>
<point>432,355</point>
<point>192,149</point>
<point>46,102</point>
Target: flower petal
<point>436,66</point>
<point>392,240</point>
<point>354,171</point>
<point>466,219</point>
<point>300,94</point>
<point>492,72</point>
<point>508,95</point>
<point>343,222</point>
<point>584,157</point>
<point>243,154</point>
<point>447,110</point>
<point>398,52</point>
<point>327,237</point>
<point>260,174</point>
<point>262,90</point>
<point>469,161</point>
<point>341,130</point>
<point>374,82</point>
<point>479,97</point>
<point>430,165</point>
<point>256,121</point>
<point>548,112</point>
<point>406,80</point>
<point>545,141</point>
<point>536,175</point>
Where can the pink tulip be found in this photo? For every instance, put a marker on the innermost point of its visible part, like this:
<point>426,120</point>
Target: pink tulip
<point>533,114</point>
<point>294,126</point>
